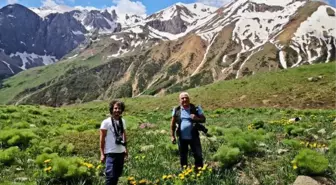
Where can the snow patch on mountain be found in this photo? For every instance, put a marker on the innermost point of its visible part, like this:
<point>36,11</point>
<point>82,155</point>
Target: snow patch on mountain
<point>320,26</point>
<point>8,65</point>
<point>31,57</point>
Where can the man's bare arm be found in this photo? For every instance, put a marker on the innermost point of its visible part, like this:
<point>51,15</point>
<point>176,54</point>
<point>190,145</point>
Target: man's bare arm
<point>102,144</point>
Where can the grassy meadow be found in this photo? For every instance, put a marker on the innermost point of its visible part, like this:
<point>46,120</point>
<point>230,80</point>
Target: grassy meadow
<point>41,145</point>
<point>253,141</point>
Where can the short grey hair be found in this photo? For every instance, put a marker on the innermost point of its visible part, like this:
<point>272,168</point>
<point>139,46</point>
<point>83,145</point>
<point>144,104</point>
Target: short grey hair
<point>184,94</point>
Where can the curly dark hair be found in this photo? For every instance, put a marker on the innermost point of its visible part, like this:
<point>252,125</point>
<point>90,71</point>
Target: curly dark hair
<point>116,102</point>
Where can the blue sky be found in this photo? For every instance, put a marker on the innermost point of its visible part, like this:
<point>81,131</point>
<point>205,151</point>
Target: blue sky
<point>140,6</point>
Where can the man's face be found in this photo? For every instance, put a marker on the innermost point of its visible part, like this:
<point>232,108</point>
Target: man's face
<point>184,100</point>
<point>116,110</point>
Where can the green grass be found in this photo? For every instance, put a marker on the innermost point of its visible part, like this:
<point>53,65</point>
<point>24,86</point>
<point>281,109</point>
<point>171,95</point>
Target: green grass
<point>73,132</point>
<point>43,75</point>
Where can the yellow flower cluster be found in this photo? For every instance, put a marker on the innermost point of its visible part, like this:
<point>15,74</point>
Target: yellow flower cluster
<point>166,177</point>
<point>187,173</point>
<point>48,169</point>
<point>132,181</point>
<point>294,163</point>
<point>281,122</point>
<point>313,144</point>
<point>88,165</point>
<point>250,126</point>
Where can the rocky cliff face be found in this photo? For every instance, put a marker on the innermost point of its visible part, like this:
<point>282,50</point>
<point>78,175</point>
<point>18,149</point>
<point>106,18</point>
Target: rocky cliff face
<point>47,39</point>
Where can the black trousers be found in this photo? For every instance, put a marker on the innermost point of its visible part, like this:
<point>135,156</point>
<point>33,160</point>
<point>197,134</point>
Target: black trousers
<point>196,148</point>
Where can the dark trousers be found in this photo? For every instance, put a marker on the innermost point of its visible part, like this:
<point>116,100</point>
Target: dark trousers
<point>196,148</point>
<point>114,167</point>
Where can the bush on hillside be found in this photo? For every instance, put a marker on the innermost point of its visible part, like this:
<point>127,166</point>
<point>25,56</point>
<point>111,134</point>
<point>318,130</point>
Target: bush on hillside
<point>21,125</point>
<point>227,156</point>
<point>293,130</point>
<point>246,141</point>
<point>15,137</point>
<point>258,124</point>
<point>292,143</point>
<point>310,162</point>
<point>7,156</point>
<point>55,169</point>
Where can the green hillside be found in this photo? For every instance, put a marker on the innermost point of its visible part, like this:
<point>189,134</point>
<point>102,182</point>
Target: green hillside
<point>249,122</point>
<point>286,89</point>
<point>39,77</point>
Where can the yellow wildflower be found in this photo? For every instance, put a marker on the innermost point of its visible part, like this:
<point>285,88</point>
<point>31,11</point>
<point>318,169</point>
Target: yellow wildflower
<point>143,181</point>
<point>47,161</point>
<point>295,166</point>
<point>164,177</point>
<point>169,176</point>
<point>47,169</point>
<point>198,175</point>
<point>130,179</point>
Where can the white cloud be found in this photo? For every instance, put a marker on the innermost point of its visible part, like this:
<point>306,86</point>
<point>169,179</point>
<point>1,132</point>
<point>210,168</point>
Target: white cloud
<point>217,3</point>
<point>52,3</point>
<point>12,1</point>
<point>129,7</point>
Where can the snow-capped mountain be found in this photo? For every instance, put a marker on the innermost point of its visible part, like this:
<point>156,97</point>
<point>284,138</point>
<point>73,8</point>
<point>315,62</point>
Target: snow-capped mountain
<point>176,19</point>
<point>295,31</point>
<point>93,19</point>
<point>188,45</point>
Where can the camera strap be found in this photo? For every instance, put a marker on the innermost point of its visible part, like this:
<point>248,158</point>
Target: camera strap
<point>116,131</point>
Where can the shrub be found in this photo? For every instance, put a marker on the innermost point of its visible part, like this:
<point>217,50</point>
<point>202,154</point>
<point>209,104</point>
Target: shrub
<point>7,156</point>
<point>21,125</point>
<point>258,124</point>
<point>293,130</point>
<point>310,162</point>
<point>227,156</point>
<point>246,141</point>
<point>16,137</point>
<point>47,150</point>
<point>292,143</point>
<point>68,169</point>
<point>70,148</point>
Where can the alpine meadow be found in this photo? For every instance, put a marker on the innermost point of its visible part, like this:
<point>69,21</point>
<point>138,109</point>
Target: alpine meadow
<point>263,71</point>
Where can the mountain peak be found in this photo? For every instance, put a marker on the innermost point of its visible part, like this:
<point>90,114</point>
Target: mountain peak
<point>187,12</point>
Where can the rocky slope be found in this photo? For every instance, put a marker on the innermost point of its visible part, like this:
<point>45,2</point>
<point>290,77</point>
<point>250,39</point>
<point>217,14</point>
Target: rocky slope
<point>47,36</point>
<point>152,56</point>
